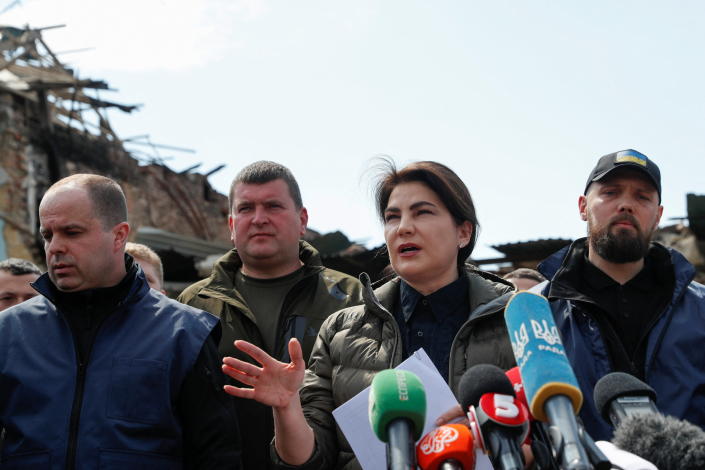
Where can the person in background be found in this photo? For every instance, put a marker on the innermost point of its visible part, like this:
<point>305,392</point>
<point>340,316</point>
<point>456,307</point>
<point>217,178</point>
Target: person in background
<point>15,278</point>
<point>271,287</point>
<point>628,304</point>
<point>108,373</point>
<point>150,263</point>
<point>438,302</point>
<point>524,278</point>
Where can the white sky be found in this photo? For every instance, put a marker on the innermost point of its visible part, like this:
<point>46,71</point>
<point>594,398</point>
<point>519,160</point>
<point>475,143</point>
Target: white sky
<point>519,98</point>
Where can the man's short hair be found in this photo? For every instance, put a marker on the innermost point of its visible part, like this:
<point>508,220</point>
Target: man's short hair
<point>19,267</point>
<point>263,172</point>
<point>107,197</point>
<point>525,273</point>
<point>143,252</point>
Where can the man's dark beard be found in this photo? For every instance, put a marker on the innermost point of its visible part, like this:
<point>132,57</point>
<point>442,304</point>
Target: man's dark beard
<point>619,247</point>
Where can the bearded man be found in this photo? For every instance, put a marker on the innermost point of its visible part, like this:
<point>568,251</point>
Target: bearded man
<point>624,303</point>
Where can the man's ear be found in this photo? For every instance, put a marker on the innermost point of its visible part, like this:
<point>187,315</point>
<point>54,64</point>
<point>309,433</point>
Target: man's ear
<point>231,224</point>
<point>582,207</point>
<point>658,219</point>
<point>303,218</point>
<point>120,233</point>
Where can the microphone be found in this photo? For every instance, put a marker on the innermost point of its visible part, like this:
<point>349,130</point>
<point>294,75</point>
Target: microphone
<point>540,441</point>
<point>550,385</point>
<point>499,423</point>
<point>397,411</point>
<point>667,442</point>
<point>448,447</point>
<point>618,395</point>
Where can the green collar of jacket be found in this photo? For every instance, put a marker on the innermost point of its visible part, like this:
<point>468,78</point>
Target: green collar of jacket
<point>221,283</point>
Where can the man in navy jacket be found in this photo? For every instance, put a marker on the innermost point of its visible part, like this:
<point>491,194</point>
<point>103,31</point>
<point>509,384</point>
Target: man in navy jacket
<point>623,303</point>
<point>99,371</point>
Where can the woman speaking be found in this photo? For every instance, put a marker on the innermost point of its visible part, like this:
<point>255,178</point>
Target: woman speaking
<point>452,310</point>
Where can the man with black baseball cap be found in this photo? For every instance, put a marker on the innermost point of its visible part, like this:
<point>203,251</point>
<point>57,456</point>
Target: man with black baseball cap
<point>624,303</point>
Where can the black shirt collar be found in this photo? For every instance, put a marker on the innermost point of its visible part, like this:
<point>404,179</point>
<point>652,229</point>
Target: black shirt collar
<point>645,280</point>
<point>442,302</point>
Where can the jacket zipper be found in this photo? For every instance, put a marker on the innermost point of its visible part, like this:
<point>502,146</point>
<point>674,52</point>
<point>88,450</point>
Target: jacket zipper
<point>648,360</point>
<point>75,419</point>
<point>376,304</point>
<point>397,339</point>
<point>75,414</point>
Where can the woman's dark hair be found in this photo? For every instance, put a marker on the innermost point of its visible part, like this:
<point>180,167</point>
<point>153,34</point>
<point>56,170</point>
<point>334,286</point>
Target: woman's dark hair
<point>441,180</point>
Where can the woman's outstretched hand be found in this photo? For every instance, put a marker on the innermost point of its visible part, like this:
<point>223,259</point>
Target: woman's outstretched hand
<point>273,383</point>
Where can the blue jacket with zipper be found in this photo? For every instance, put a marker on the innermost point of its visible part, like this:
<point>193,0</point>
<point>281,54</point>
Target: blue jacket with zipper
<point>123,398</point>
<point>675,363</point>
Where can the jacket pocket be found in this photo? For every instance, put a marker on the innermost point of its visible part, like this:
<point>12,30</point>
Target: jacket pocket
<point>40,460</point>
<point>126,459</point>
<point>139,391</point>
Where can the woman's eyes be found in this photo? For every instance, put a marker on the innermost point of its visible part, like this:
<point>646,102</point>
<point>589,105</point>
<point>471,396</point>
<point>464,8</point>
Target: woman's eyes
<point>418,212</point>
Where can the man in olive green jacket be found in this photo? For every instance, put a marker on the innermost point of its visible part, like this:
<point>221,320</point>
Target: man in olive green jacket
<point>272,287</point>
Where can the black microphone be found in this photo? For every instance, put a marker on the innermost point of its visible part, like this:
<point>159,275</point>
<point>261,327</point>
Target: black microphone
<point>499,422</point>
<point>667,442</point>
<point>618,395</point>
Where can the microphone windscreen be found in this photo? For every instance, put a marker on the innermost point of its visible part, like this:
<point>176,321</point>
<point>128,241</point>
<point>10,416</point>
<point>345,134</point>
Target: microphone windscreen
<point>396,394</point>
<point>447,442</point>
<point>479,380</point>
<point>618,384</point>
<point>539,353</point>
<point>667,442</point>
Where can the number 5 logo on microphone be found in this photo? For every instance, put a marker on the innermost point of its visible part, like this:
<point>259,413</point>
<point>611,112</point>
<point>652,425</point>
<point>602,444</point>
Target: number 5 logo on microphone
<point>503,409</point>
<point>504,406</point>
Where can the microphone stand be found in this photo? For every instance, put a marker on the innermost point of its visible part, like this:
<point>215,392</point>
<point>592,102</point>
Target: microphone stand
<point>401,453</point>
<point>564,434</point>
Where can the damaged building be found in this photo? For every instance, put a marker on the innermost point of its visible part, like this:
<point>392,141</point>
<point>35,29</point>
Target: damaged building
<point>53,124</point>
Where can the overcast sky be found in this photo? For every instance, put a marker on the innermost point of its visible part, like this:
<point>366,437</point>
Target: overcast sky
<point>520,98</point>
